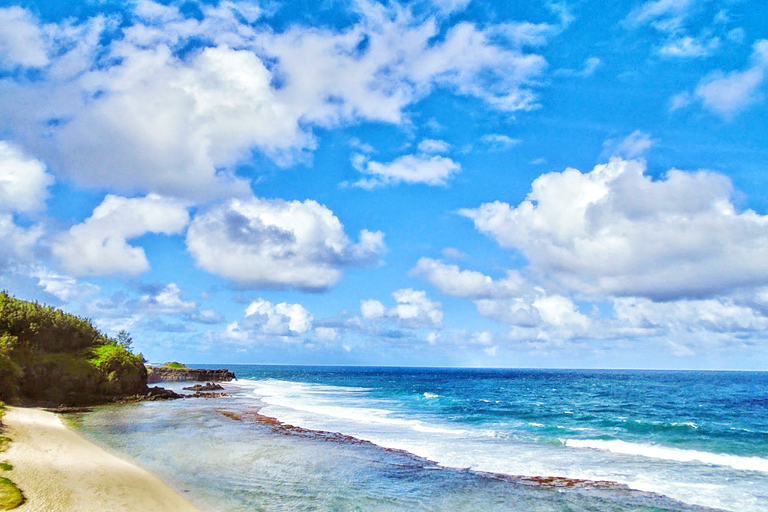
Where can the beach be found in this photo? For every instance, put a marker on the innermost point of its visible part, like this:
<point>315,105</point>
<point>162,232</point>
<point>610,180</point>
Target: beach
<point>58,470</point>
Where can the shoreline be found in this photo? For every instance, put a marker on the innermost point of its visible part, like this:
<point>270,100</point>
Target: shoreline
<point>58,470</point>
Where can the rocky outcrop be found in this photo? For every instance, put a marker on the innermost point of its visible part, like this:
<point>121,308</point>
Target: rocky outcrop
<point>209,386</point>
<point>165,374</point>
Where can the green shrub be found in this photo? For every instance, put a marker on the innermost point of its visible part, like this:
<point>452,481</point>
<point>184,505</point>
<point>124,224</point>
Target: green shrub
<point>174,364</point>
<point>10,495</point>
<point>48,355</point>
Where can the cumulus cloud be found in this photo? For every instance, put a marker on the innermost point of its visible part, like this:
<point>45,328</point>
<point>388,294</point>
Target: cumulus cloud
<point>143,113</point>
<point>433,170</point>
<point>21,39</point>
<point>469,284</point>
<point>616,231</point>
<point>166,301</point>
<point>413,310</point>
<point>261,243</point>
<point>23,180</point>
<point>511,300</point>
<point>99,246</point>
<point>266,321</point>
<point>174,123</point>
<point>23,189</point>
<point>719,315</point>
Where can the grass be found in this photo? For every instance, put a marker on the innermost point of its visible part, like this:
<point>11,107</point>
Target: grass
<point>10,495</point>
<point>174,364</point>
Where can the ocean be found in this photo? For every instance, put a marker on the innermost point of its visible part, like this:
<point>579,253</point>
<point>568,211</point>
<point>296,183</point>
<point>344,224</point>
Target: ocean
<point>301,438</point>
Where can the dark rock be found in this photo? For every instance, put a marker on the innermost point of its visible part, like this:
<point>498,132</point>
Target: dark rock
<point>209,386</point>
<point>198,394</point>
<point>166,374</point>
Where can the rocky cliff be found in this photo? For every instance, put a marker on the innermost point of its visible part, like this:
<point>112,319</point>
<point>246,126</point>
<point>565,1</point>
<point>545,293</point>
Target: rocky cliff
<point>163,373</point>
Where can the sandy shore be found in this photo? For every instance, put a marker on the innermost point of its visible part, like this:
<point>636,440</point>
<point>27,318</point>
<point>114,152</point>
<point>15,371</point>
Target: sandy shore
<point>59,471</point>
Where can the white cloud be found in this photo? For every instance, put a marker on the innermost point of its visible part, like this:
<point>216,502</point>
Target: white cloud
<point>499,142</point>
<point>23,189</point>
<point>23,180</point>
<point>63,287</point>
<point>469,284</point>
<point>166,301</point>
<point>206,316</point>
<point>372,308</point>
<point>260,243</point>
<point>591,65</point>
<point>664,15</point>
<point>265,321</point>
<point>689,47</point>
<point>728,94</point>
<point>21,39</point>
<point>433,170</point>
<point>720,315</point>
<point>615,231</point>
<point>17,244</point>
<point>433,146</point>
<point>680,100</point>
<point>187,119</point>
<point>560,311</point>
<point>99,247</point>
<point>453,253</point>
<point>329,334</point>
<point>737,35</point>
<point>143,114</point>
<point>413,310</point>
<point>632,146</point>
<point>449,6</point>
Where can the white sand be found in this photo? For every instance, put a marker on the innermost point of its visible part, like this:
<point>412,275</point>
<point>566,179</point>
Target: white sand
<point>59,471</point>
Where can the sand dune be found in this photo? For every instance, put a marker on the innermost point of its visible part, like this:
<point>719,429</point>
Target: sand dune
<point>60,471</point>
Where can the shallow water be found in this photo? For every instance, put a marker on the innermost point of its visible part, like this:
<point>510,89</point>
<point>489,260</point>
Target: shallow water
<point>693,439</point>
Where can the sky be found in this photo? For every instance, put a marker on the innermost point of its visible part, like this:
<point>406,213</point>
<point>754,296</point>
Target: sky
<point>575,184</point>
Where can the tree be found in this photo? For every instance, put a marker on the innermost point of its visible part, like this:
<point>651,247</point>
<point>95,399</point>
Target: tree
<point>124,340</point>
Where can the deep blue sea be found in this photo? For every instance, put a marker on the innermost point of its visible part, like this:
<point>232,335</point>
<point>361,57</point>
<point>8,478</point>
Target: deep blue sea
<point>361,438</point>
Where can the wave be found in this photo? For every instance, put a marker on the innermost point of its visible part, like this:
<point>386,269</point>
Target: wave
<point>295,399</point>
<point>672,454</point>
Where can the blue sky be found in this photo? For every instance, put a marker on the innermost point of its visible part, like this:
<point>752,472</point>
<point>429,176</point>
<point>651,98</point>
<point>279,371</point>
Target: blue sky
<point>438,183</point>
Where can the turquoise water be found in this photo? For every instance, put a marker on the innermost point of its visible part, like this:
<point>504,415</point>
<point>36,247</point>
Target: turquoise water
<point>455,439</point>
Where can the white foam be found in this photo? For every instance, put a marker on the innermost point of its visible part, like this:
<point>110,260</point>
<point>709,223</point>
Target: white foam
<point>672,454</point>
<point>430,395</point>
<point>507,447</point>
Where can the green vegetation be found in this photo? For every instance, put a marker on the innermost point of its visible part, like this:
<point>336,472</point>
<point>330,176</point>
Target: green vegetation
<point>49,356</point>
<point>174,364</point>
<point>10,495</point>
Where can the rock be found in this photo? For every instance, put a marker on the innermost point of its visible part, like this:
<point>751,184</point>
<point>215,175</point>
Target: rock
<point>209,386</point>
<point>166,374</point>
<point>198,394</point>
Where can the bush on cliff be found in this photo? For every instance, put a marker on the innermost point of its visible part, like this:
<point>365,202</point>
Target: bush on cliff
<point>50,356</point>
